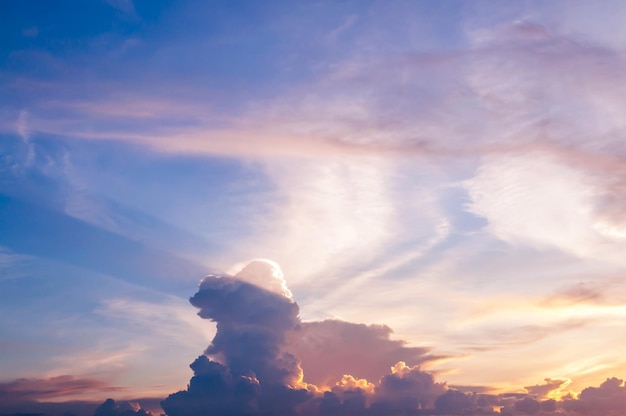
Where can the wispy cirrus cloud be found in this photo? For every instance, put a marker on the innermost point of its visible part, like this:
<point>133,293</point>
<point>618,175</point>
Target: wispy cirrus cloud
<point>456,107</point>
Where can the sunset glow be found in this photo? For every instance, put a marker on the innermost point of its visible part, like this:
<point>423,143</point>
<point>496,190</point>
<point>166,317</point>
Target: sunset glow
<point>312,208</point>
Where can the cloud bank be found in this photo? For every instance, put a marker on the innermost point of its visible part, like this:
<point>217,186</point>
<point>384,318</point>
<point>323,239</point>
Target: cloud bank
<point>25,389</point>
<point>259,361</point>
<point>264,360</point>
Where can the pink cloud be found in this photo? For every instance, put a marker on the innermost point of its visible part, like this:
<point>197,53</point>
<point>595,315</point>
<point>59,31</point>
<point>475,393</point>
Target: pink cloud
<point>25,389</point>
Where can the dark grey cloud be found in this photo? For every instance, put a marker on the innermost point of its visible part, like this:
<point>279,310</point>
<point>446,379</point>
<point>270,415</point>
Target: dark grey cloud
<point>36,397</point>
<point>111,408</point>
<point>27,389</point>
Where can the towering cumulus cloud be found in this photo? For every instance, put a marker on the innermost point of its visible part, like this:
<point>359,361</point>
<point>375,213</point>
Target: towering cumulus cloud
<point>250,373</point>
<point>251,368</point>
<point>254,366</point>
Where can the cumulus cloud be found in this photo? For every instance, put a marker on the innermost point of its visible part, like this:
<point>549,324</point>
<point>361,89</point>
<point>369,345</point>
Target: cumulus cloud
<point>407,388</point>
<point>253,366</point>
<point>111,408</point>
<point>250,372</point>
<point>346,346</point>
<point>265,361</point>
<point>265,274</point>
<point>607,399</point>
<point>251,327</point>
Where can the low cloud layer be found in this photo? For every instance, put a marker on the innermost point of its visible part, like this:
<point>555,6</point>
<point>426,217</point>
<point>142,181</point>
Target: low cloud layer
<point>346,347</point>
<point>42,396</point>
<point>259,362</point>
<point>264,360</point>
<point>26,389</point>
<point>111,408</point>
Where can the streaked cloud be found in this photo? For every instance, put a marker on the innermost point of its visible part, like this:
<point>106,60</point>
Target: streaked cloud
<point>59,387</point>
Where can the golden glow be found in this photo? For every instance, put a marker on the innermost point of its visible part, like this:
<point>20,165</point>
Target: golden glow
<point>401,368</point>
<point>348,382</point>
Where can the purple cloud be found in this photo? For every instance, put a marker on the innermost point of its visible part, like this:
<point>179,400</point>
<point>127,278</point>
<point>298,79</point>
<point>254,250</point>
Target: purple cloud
<point>25,389</point>
<point>254,367</point>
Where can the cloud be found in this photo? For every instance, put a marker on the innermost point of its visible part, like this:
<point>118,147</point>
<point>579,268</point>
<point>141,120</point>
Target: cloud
<point>264,361</point>
<point>111,408</point>
<point>265,274</point>
<point>407,388</point>
<point>531,406</point>
<point>453,402</point>
<point>21,126</point>
<point>65,386</point>
<point>56,396</point>
<point>607,399</point>
<point>40,231</point>
<point>251,327</point>
<point>24,131</point>
<point>448,107</point>
<point>9,264</point>
<point>580,293</point>
<point>392,104</point>
<point>252,367</point>
<point>347,23</point>
<point>342,346</point>
<point>533,200</point>
<point>557,94</point>
<point>548,389</point>
<point>519,88</point>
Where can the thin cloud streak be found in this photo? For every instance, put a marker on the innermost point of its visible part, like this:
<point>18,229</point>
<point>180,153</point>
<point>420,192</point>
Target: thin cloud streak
<point>59,387</point>
<point>304,125</point>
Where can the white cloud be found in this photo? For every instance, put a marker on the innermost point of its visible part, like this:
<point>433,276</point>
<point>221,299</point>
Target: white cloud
<point>327,212</point>
<point>532,199</point>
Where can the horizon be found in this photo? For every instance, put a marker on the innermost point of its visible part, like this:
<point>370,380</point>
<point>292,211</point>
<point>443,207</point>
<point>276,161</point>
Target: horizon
<point>432,191</point>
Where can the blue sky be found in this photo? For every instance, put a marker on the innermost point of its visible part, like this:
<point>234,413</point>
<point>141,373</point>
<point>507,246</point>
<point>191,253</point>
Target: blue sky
<point>453,170</point>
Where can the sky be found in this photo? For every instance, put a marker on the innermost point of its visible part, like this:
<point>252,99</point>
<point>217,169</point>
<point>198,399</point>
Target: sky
<point>374,207</point>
